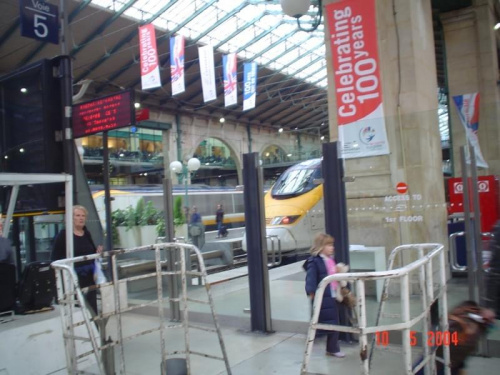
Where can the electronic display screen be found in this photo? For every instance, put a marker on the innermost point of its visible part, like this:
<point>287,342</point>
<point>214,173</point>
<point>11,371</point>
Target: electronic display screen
<point>103,114</point>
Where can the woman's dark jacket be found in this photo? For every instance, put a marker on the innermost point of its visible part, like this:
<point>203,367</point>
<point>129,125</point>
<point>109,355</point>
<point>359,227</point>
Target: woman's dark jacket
<point>316,271</point>
<point>83,245</point>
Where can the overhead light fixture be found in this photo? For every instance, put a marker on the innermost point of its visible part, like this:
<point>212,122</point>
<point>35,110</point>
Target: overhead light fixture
<point>21,150</point>
<point>137,105</point>
<point>222,120</point>
<point>322,137</point>
<point>497,26</point>
<point>24,90</point>
<point>298,8</point>
<point>281,130</point>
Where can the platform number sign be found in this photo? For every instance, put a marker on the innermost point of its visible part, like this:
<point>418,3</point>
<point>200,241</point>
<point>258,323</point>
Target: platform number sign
<point>39,20</point>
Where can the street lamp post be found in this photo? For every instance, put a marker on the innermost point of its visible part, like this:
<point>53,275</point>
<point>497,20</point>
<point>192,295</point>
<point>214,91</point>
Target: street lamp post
<point>193,165</point>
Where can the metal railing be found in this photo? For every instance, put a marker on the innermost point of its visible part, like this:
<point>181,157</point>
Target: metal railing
<point>424,265</point>
<point>72,300</point>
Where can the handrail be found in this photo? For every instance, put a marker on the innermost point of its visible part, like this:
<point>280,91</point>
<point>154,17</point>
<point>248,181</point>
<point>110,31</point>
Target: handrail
<point>275,262</point>
<point>425,265</point>
<point>455,266</point>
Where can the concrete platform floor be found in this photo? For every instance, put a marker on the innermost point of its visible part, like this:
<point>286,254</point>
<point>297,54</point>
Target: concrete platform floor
<point>33,344</point>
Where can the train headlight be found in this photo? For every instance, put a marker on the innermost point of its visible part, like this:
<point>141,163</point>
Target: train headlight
<point>284,220</point>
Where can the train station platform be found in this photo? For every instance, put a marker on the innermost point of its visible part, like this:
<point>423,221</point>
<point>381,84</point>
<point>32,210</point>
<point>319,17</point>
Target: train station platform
<point>33,344</point>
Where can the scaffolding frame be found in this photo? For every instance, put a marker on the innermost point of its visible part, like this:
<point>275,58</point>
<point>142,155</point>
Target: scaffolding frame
<point>426,253</point>
<point>68,288</point>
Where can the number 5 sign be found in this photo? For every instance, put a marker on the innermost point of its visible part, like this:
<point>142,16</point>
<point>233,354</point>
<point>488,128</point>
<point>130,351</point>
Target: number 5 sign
<point>39,20</point>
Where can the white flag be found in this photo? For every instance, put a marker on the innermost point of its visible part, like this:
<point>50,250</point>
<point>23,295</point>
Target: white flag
<point>207,71</point>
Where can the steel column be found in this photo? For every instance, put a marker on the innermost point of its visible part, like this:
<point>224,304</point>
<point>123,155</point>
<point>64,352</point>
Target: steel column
<point>258,276</point>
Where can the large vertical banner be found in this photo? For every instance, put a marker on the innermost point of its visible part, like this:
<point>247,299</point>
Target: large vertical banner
<point>150,70</point>
<point>468,110</point>
<point>360,114</point>
<point>177,64</point>
<point>207,71</point>
<point>230,79</point>
<point>249,85</point>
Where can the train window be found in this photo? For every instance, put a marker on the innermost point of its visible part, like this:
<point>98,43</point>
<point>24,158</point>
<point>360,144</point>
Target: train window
<point>296,181</point>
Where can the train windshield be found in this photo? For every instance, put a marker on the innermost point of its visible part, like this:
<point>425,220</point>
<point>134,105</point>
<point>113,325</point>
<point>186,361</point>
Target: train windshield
<point>297,180</point>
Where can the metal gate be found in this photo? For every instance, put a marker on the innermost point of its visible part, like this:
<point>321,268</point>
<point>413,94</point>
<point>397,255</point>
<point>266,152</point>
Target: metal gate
<point>430,259</point>
<point>75,317</point>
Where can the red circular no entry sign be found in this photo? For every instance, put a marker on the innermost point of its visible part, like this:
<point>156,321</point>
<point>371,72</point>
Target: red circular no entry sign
<point>401,188</point>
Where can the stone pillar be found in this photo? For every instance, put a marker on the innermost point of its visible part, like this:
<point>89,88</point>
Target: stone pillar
<point>377,214</point>
<point>472,66</point>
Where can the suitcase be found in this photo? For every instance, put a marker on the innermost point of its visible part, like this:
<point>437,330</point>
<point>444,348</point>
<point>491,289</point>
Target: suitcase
<point>223,231</point>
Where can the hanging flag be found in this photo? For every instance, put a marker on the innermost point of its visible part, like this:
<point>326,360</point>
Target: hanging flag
<point>207,71</point>
<point>360,113</point>
<point>230,79</point>
<point>468,111</point>
<point>177,64</point>
<point>150,70</point>
<point>249,85</point>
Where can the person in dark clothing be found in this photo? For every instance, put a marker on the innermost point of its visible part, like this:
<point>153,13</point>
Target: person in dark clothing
<point>6,253</point>
<point>83,245</point>
<point>319,265</point>
<point>196,229</point>
<point>219,219</point>
<point>195,216</point>
<point>493,276</point>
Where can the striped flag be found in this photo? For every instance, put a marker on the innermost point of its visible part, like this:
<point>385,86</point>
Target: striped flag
<point>230,79</point>
<point>177,64</point>
<point>468,111</point>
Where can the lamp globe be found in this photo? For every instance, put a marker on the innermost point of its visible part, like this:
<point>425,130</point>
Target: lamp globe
<point>176,166</point>
<point>193,164</point>
<point>295,8</point>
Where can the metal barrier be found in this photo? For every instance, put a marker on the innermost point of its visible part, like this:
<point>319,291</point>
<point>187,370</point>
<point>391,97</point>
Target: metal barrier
<point>68,289</point>
<point>455,266</point>
<point>424,265</point>
<point>274,261</point>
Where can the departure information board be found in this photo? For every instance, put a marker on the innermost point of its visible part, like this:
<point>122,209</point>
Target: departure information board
<point>103,114</point>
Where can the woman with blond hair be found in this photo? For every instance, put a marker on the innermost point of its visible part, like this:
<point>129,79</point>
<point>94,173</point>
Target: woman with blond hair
<point>83,245</point>
<point>319,265</point>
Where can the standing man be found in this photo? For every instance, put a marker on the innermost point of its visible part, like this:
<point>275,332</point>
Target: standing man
<point>219,219</point>
<point>6,253</point>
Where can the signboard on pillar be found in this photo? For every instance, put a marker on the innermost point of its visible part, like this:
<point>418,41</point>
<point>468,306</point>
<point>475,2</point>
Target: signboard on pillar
<point>39,20</point>
<point>360,114</point>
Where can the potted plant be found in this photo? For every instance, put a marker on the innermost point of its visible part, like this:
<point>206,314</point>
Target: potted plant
<point>117,221</point>
<point>148,217</point>
<point>180,225</point>
<point>135,226</point>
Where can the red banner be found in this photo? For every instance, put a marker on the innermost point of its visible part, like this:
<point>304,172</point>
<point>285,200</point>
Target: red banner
<point>353,41</point>
<point>150,71</point>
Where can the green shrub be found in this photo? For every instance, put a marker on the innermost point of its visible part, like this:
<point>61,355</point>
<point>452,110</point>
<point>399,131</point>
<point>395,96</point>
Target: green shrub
<point>179,217</point>
<point>149,215</point>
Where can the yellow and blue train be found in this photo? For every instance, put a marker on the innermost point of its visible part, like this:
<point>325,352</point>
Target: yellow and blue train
<point>293,206</point>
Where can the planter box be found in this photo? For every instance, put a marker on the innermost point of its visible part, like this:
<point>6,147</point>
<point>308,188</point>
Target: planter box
<point>129,238</point>
<point>148,234</point>
<point>181,231</point>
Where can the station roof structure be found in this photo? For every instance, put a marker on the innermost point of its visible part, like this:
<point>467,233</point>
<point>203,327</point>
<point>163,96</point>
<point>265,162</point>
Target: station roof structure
<point>102,39</point>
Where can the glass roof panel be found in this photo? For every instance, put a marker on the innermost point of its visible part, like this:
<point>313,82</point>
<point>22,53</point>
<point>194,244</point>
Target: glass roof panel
<point>303,47</point>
